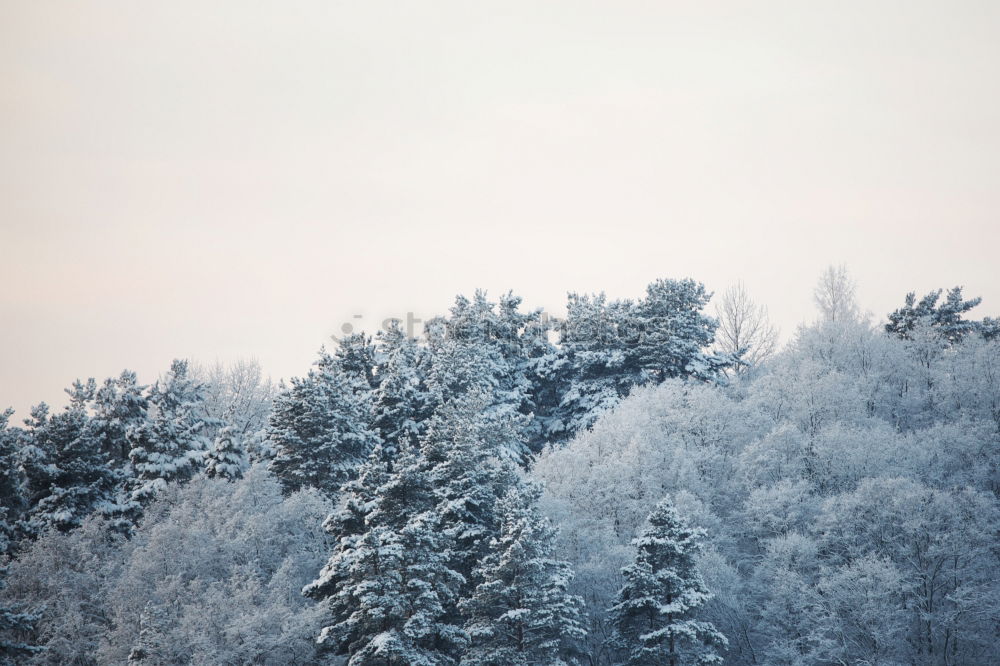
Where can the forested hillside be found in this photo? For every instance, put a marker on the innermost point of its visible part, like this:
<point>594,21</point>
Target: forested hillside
<point>643,482</point>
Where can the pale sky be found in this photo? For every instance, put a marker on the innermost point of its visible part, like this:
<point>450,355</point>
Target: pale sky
<point>225,179</point>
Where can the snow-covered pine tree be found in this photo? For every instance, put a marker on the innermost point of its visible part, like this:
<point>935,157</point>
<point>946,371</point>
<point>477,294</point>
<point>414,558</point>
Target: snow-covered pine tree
<point>321,429</point>
<point>501,326</point>
<point>388,587</point>
<point>608,347</point>
<point>521,612</point>
<point>259,447</point>
<point>120,411</point>
<point>541,363</point>
<point>357,356</point>
<point>170,446</point>
<point>403,400</point>
<point>672,333</point>
<point>12,499</point>
<point>347,525</point>
<point>469,355</point>
<point>945,319</point>
<point>465,452</point>
<point>357,498</point>
<point>66,474</point>
<point>654,614</point>
<point>227,459</point>
<point>432,507</point>
<point>590,373</point>
<point>523,338</point>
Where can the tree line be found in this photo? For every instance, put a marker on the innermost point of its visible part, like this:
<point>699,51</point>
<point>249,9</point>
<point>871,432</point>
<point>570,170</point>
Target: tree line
<point>654,485</point>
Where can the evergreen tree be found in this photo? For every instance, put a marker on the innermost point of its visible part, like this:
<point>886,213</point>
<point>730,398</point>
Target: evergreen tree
<point>426,515</point>
<point>524,340</point>
<point>541,367</point>
<point>654,613</point>
<point>521,613</point>
<point>170,446</point>
<point>321,429</point>
<point>464,367</point>
<point>403,400</point>
<point>609,347</point>
<point>989,328</point>
<point>12,499</point>
<point>347,525</point>
<point>66,474</point>
<point>465,454</point>
<point>357,357</point>
<point>496,349</point>
<point>387,585</point>
<point>591,373</point>
<point>120,412</point>
<point>227,458</point>
<point>672,332</point>
<point>946,319</point>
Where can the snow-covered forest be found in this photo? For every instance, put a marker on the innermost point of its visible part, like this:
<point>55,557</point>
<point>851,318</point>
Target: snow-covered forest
<point>642,482</point>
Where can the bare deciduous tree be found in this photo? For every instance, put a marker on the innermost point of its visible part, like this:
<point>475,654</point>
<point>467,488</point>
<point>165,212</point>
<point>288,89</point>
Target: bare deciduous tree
<point>745,332</point>
<point>835,295</point>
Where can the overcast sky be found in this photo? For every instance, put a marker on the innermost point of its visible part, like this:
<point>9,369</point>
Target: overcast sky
<point>225,179</point>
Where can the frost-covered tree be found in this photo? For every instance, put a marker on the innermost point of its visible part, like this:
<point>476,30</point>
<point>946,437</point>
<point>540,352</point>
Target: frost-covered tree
<point>226,458</point>
<point>321,429</point>
<point>210,576</point>
<point>790,468</point>
<point>388,589</point>
<point>940,542</point>
<point>521,612</point>
<point>861,615</point>
<point>655,612</point>
<point>16,625</point>
<point>171,446</point>
<point>789,631</point>
<point>238,395</point>
<point>151,648</point>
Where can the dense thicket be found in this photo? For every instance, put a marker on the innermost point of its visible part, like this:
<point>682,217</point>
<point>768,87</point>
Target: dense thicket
<point>849,493</point>
<point>510,489</point>
<point>211,576</point>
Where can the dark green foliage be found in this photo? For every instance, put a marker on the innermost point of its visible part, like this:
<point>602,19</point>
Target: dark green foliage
<point>654,615</point>
<point>321,428</point>
<point>945,318</point>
